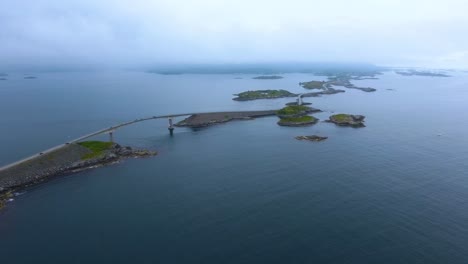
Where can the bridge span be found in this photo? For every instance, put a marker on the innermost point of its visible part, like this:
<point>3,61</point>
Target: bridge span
<point>111,130</point>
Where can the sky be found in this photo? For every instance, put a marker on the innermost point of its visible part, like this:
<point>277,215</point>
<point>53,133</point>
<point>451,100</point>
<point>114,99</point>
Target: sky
<point>132,33</point>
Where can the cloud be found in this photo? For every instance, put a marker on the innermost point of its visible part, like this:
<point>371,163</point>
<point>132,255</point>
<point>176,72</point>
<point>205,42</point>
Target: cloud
<point>130,33</point>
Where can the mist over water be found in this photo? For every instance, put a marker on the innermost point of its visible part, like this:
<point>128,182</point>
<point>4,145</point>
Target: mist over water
<point>85,34</point>
<point>246,191</point>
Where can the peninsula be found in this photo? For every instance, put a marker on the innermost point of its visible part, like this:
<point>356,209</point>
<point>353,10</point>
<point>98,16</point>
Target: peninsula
<point>208,119</point>
<point>70,159</point>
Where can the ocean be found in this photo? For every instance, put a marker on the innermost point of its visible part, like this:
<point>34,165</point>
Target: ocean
<point>394,191</point>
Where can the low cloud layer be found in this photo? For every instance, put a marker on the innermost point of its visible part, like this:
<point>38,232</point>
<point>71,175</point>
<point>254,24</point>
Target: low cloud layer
<point>126,33</point>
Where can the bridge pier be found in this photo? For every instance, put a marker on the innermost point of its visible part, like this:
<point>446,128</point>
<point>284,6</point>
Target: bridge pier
<point>299,100</point>
<point>111,136</point>
<point>171,127</point>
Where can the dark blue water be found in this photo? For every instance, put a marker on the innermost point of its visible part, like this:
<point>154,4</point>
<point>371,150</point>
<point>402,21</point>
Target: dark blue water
<point>244,192</point>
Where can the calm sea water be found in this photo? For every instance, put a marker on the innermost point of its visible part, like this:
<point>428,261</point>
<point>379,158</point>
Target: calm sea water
<point>395,191</point>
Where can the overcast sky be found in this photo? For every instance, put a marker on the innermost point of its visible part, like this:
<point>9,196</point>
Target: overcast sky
<point>428,33</point>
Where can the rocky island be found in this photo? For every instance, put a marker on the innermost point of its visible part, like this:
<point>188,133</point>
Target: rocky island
<point>268,77</point>
<point>297,121</point>
<point>314,138</point>
<point>347,120</point>
<point>296,111</point>
<point>70,159</point>
<point>208,119</point>
<point>313,85</point>
<point>262,94</point>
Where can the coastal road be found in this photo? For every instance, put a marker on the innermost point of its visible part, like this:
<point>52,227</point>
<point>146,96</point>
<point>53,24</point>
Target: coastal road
<point>107,130</point>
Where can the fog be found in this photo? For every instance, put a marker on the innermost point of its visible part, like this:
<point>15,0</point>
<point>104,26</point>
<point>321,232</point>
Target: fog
<point>137,33</point>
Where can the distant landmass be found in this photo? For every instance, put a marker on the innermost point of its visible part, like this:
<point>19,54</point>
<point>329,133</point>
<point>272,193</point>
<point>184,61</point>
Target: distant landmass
<point>422,73</point>
<point>268,77</point>
<point>356,69</point>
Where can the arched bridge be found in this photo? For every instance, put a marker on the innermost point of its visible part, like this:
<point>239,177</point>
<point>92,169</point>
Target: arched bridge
<point>112,129</point>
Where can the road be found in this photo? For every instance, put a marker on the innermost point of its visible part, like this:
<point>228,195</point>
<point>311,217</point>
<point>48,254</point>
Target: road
<point>102,131</point>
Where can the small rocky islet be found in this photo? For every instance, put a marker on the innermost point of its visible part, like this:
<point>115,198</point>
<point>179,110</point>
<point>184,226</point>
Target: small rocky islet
<point>347,120</point>
<point>313,138</point>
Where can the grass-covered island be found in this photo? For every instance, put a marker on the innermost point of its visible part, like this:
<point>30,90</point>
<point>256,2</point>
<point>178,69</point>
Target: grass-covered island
<point>313,84</point>
<point>297,121</point>
<point>296,115</point>
<point>296,111</point>
<point>262,94</point>
<point>70,158</point>
<point>347,120</point>
<point>268,77</point>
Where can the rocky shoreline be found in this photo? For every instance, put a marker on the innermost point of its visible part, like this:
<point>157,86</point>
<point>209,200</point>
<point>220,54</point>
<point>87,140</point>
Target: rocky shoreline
<point>65,161</point>
<point>314,138</point>
<point>204,120</point>
<point>262,94</point>
<point>298,121</point>
<point>347,120</point>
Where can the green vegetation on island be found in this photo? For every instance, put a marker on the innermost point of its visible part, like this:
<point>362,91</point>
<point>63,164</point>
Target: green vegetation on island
<point>268,77</point>
<point>297,121</point>
<point>262,94</point>
<point>296,115</point>
<point>294,110</point>
<point>313,84</point>
<point>98,148</point>
<point>5,197</point>
<point>67,159</point>
<point>338,79</point>
<point>347,120</point>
